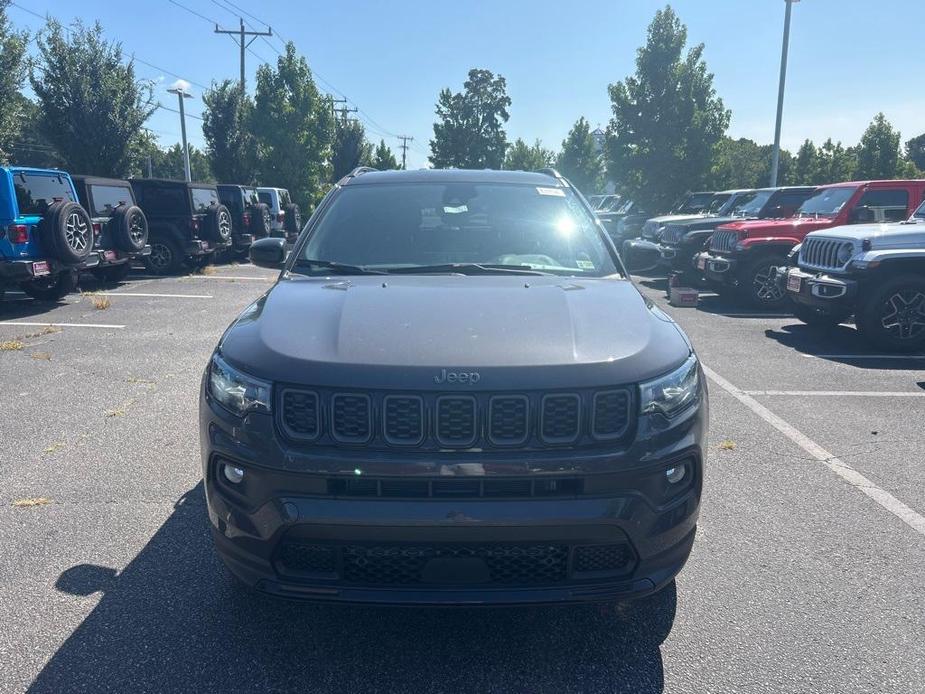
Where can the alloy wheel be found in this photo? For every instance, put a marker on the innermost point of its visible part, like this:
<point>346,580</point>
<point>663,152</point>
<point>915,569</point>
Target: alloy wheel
<point>136,229</point>
<point>224,225</point>
<point>904,314</point>
<point>161,256</point>
<point>77,232</point>
<point>765,287</point>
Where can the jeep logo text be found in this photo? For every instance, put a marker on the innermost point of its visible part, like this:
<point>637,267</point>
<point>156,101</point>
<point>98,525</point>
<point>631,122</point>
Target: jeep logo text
<point>463,377</point>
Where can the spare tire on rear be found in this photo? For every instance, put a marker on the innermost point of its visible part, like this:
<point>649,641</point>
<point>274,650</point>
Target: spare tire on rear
<point>260,219</point>
<point>129,228</point>
<point>218,224</point>
<point>66,232</point>
<point>292,221</point>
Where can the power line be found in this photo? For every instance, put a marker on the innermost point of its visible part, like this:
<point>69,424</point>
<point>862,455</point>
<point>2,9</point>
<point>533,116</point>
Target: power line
<point>242,34</point>
<point>168,72</point>
<point>192,11</point>
<point>188,115</point>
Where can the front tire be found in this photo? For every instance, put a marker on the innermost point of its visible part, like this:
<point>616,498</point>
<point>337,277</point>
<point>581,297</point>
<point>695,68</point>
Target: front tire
<point>51,288</point>
<point>757,281</point>
<point>166,257</point>
<point>820,318</point>
<point>893,318</point>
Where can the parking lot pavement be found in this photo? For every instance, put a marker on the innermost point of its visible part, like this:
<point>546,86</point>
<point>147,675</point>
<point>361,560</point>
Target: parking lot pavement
<point>799,580</point>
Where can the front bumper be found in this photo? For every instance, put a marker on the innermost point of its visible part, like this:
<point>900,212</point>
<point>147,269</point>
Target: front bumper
<point>818,290</point>
<point>387,547</point>
<point>680,257</point>
<point>716,268</point>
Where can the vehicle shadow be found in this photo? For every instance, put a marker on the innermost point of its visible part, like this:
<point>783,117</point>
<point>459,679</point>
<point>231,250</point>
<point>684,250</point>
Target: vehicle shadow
<point>838,344</point>
<point>173,621</point>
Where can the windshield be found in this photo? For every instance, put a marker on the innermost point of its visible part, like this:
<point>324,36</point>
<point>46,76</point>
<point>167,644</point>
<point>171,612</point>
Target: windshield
<point>695,202</point>
<point>717,202</point>
<point>919,213</point>
<point>826,203</point>
<point>750,204</point>
<point>407,226</point>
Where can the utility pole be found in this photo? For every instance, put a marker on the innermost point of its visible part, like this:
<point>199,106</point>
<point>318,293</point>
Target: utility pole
<point>343,111</point>
<point>775,154</point>
<point>405,139</point>
<point>242,35</point>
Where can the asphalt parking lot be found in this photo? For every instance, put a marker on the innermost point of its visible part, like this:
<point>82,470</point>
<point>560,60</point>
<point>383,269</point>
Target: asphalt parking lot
<point>808,574</point>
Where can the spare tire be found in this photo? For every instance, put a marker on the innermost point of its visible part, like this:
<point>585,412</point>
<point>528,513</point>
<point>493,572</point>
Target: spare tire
<point>260,219</point>
<point>66,232</point>
<point>292,221</point>
<point>129,228</point>
<point>218,224</point>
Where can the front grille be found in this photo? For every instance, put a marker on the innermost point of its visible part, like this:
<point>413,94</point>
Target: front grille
<point>614,558</point>
<point>672,234</point>
<point>434,421</point>
<point>456,420</point>
<point>455,488</point>
<point>351,418</point>
<point>650,230</point>
<point>437,564</point>
<point>821,254</point>
<point>723,241</point>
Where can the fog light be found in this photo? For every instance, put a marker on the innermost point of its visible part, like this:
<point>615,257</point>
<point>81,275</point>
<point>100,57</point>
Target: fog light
<point>233,473</point>
<point>672,474</point>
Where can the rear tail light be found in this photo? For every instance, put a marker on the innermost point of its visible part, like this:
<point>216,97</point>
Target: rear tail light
<point>247,219</point>
<point>280,216</point>
<point>194,224</point>
<point>97,228</point>
<point>18,233</point>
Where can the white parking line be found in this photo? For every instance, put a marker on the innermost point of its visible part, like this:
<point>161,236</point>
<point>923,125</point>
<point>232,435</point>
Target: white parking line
<point>865,356</point>
<point>63,325</point>
<point>840,468</point>
<point>166,296</point>
<point>841,393</point>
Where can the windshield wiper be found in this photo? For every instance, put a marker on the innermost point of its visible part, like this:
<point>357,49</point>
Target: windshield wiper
<point>338,268</point>
<point>466,269</point>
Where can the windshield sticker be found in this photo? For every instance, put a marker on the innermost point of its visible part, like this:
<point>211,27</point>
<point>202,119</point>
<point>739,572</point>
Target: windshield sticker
<point>584,264</point>
<point>555,192</point>
<point>459,209</point>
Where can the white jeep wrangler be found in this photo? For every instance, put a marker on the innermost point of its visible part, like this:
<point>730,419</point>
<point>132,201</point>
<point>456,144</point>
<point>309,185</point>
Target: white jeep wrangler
<point>875,272</point>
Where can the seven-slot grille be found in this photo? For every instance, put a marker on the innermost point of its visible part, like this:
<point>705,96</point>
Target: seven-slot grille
<point>460,420</point>
<point>673,234</point>
<point>821,253</point>
<point>723,241</point>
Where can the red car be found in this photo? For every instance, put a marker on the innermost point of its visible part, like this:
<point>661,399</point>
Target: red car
<point>742,255</point>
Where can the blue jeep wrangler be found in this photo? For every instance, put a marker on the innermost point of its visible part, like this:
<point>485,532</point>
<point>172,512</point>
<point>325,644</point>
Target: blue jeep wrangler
<point>46,237</point>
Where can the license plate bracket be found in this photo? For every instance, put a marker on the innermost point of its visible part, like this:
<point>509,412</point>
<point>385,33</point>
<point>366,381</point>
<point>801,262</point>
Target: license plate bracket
<point>794,283</point>
<point>40,268</point>
<point>701,263</point>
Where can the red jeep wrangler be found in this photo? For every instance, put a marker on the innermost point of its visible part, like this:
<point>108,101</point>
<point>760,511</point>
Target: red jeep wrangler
<point>743,255</point>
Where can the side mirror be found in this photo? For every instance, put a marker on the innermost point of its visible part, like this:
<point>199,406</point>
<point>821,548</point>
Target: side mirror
<point>640,256</point>
<point>269,253</point>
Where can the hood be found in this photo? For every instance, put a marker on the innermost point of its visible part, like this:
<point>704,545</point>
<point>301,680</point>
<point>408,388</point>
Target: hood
<point>673,218</point>
<point>794,226</point>
<point>881,236</point>
<point>402,331</point>
<point>703,223</point>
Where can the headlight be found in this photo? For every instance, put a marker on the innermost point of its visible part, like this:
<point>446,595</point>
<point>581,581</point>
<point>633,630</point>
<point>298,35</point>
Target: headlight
<point>672,393</point>
<point>236,391</point>
<point>845,251</point>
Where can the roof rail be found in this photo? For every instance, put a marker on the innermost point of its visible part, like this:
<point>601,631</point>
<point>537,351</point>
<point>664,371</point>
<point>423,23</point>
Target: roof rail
<point>549,171</point>
<point>358,171</point>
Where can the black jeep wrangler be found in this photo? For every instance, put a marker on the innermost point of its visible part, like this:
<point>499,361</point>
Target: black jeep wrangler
<point>119,226</point>
<point>250,218</point>
<point>187,223</point>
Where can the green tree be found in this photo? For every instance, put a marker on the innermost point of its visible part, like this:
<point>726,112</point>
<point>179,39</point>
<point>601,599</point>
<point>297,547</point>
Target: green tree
<point>579,161</point>
<point>667,119</point>
<point>12,75</point>
<point>383,158</point>
<point>878,151</point>
<point>469,132</point>
<point>350,148</point>
<point>168,163</point>
<point>230,143</point>
<point>93,107</point>
<point>915,151</point>
<point>294,129</point>
<point>743,163</point>
<point>31,148</point>
<point>834,163</point>
<point>524,157</point>
<point>806,165</point>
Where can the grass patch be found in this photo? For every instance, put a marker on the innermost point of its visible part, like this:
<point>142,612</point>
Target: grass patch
<point>47,330</point>
<point>119,411</point>
<point>206,270</point>
<point>727,445</point>
<point>100,303</point>
<point>143,381</point>
<point>54,448</point>
<point>11,345</point>
<point>32,501</point>
<point>41,356</point>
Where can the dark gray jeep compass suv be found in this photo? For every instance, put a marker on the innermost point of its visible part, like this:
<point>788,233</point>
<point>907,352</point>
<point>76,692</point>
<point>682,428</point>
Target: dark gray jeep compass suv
<point>452,395</point>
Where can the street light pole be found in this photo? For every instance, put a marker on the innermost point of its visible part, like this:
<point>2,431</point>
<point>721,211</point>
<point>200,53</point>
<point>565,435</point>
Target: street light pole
<point>775,156</point>
<point>179,88</point>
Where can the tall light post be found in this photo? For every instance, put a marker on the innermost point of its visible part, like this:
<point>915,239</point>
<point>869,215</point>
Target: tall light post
<point>180,88</point>
<point>775,157</point>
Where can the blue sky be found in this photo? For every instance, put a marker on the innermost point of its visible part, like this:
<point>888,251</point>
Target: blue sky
<point>849,58</point>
